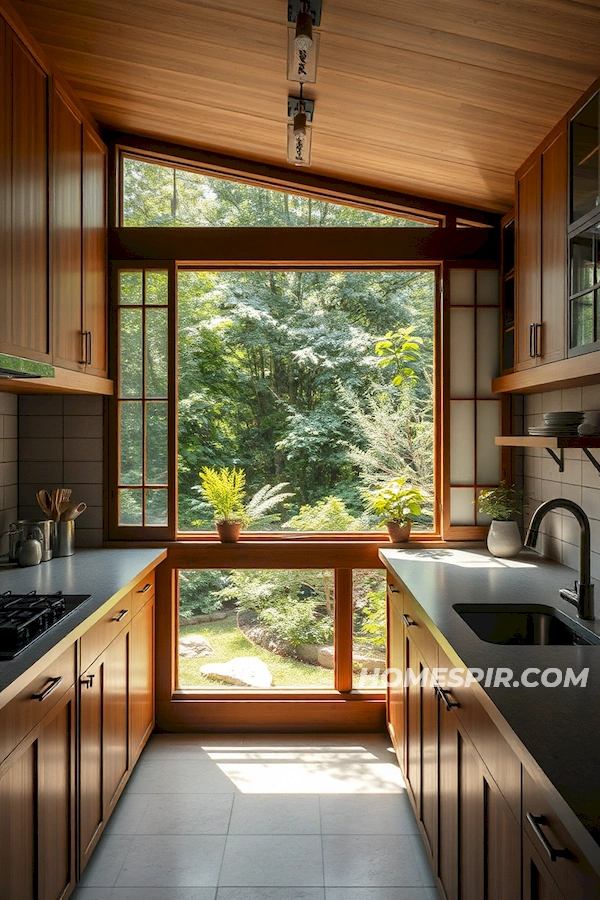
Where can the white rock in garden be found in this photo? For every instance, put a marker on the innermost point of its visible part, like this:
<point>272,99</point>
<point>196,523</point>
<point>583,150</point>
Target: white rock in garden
<point>325,657</point>
<point>246,671</point>
<point>194,645</point>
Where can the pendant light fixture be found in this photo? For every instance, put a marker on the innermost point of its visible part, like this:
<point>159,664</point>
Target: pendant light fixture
<point>302,50</point>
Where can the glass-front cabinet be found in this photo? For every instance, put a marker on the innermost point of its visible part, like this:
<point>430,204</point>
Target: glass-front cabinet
<point>584,230</point>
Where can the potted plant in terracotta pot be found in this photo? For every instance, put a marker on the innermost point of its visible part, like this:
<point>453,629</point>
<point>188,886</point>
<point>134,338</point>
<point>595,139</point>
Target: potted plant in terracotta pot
<point>225,489</point>
<point>396,503</point>
<point>503,504</point>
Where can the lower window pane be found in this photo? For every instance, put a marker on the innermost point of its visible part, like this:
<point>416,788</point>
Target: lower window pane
<point>157,507</point>
<point>370,628</point>
<point>255,629</point>
<point>582,320</point>
<point>130,507</point>
<point>131,442</point>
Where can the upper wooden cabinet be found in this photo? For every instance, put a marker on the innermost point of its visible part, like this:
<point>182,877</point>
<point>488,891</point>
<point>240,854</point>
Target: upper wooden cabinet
<point>78,232</point>
<point>53,216</point>
<point>541,254</point>
<point>24,302</point>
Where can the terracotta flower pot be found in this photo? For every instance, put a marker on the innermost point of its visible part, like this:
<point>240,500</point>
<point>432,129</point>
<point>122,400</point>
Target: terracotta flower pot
<point>229,532</point>
<point>399,534</point>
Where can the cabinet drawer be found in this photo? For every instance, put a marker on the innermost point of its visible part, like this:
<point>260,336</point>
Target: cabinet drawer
<point>100,635</point>
<point>142,592</point>
<point>572,873</point>
<point>419,632</point>
<point>29,707</point>
<point>501,762</point>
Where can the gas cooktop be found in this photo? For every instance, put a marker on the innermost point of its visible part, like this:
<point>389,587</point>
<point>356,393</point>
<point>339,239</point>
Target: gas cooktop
<point>25,617</point>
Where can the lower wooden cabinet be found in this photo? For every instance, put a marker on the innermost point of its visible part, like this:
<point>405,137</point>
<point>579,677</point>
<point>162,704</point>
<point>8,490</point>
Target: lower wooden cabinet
<point>537,883</point>
<point>37,809</point>
<point>116,718</point>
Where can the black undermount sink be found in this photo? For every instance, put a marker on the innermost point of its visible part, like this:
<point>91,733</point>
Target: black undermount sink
<point>524,623</point>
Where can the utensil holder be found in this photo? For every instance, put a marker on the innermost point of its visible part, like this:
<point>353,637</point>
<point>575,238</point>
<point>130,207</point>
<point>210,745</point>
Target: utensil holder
<point>64,539</point>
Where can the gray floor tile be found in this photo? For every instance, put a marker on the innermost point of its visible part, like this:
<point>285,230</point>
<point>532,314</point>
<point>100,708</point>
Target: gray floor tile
<point>92,893</point>
<point>275,814</point>
<point>164,893</point>
<point>271,777</point>
<point>146,777</point>
<point>272,861</point>
<point>367,814</point>
<point>107,859</point>
<point>172,746</point>
<point>370,861</point>
<point>186,814</point>
<point>422,861</point>
<point>385,893</point>
<point>192,776</point>
<point>172,861</point>
<point>128,813</point>
<point>262,893</point>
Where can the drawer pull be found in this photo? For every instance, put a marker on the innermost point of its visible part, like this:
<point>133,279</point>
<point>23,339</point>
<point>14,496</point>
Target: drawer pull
<point>53,683</point>
<point>392,589</point>
<point>145,588</point>
<point>88,680</point>
<point>121,615</point>
<point>408,622</point>
<point>536,822</point>
<point>443,696</point>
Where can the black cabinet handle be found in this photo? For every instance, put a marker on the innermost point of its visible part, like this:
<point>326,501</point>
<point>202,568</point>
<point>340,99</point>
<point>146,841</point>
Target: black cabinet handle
<point>88,354</point>
<point>53,683</point>
<point>536,822</point>
<point>408,622</point>
<point>121,615</point>
<point>88,680</point>
<point>145,588</point>
<point>84,355</point>
<point>443,696</point>
<point>532,340</point>
<point>538,339</point>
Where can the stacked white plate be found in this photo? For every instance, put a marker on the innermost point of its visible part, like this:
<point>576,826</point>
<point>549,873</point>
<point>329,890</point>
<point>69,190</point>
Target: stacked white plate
<point>558,424</point>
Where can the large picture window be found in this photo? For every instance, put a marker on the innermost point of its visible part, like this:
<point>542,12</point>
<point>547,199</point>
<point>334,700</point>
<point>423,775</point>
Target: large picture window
<point>317,385</point>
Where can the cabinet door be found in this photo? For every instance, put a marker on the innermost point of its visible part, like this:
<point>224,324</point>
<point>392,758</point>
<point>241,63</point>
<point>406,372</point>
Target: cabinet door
<point>528,273</point>
<point>66,234</point>
<point>25,328</point>
<point>395,662</point>
<point>142,678</point>
<point>37,810</point>
<point>94,253</point>
<point>554,249</point>
<point>116,719</point>
<point>56,801</point>
<point>537,883</point>
<point>422,746</point>
<point>91,768</point>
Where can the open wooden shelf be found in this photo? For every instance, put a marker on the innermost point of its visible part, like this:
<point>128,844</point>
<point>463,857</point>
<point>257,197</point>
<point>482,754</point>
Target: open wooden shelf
<point>553,443</point>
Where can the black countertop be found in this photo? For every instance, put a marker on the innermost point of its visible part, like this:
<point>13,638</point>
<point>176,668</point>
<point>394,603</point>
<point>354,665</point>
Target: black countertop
<point>558,728</point>
<point>104,574</point>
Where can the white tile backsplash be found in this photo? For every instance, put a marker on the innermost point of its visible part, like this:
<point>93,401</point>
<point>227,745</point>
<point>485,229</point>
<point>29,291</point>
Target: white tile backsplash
<point>580,482</point>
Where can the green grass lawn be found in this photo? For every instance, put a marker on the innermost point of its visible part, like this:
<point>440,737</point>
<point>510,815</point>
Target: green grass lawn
<point>228,642</point>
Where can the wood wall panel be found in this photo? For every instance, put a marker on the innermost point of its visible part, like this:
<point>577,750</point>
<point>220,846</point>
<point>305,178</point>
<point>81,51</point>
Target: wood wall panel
<point>5,186</point>
<point>431,86</point>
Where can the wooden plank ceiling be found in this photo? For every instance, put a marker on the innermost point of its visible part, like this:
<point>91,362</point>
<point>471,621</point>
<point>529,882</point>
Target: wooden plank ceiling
<point>440,98</point>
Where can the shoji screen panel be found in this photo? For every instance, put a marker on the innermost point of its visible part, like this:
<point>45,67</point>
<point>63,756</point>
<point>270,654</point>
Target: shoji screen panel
<point>472,411</point>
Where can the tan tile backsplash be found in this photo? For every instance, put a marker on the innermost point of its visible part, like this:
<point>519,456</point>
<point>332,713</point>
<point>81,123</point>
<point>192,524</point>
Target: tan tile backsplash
<point>61,445</point>
<point>579,482</point>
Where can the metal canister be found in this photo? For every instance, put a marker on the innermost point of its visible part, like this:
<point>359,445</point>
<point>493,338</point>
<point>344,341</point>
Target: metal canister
<point>15,539</point>
<point>64,538</point>
<point>30,529</point>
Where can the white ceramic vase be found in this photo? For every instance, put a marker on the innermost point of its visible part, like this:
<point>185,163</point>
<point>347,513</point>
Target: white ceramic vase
<point>504,539</point>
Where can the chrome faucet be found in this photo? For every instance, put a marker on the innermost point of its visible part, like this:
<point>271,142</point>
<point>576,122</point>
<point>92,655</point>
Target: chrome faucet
<point>583,595</point>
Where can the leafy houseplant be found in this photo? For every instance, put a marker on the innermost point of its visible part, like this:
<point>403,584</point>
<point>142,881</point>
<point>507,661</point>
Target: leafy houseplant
<point>395,502</point>
<point>225,489</point>
<point>502,504</point>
